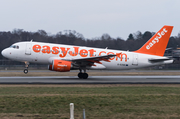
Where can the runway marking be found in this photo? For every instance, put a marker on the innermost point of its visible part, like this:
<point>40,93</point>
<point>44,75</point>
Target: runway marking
<point>99,77</point>
<point>91,80</point>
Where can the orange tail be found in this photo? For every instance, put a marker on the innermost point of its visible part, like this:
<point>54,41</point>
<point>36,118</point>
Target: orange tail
<point>158,43</point>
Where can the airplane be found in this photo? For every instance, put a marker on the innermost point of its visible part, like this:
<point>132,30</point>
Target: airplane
<point>63,58</point>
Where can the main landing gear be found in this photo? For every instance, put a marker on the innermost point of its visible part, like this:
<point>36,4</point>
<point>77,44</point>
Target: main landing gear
<point>26,67</point>
<point>83,75</point>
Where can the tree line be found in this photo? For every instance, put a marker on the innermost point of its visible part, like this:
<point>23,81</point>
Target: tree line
<point>132,43</point>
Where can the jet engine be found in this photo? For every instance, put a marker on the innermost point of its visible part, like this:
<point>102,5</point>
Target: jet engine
<point>60,65</point>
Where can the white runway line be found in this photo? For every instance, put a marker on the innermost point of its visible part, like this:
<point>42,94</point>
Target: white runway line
<point>99,77</point>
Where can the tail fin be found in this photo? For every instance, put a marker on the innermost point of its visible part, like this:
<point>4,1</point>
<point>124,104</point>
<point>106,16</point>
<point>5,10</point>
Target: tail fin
<point>158,43</point>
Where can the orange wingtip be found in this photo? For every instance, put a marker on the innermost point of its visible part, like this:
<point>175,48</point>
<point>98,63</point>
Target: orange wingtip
<point>118,54</point>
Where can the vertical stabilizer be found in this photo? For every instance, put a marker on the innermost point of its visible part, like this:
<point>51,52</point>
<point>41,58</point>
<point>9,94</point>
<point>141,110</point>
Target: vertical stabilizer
<point>158,43</point>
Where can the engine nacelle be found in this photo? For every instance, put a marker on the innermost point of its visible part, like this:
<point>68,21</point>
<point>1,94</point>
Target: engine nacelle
<point>60,65</point>
<point>50,67</point>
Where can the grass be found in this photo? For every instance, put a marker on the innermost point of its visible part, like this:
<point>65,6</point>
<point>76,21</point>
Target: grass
<point>99,101</point>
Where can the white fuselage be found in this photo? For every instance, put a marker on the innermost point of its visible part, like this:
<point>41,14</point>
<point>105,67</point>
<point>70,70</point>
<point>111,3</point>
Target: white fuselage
<point>45,53</point>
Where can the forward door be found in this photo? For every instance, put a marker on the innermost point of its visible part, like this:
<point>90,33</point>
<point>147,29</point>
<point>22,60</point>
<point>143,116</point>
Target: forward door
<point>28,49</point>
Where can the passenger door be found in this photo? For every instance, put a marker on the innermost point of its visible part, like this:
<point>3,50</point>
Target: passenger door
<point>28,49</point>
<point>135,59</point>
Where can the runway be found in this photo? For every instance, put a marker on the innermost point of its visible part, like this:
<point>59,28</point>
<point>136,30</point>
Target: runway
<point>92,80</point>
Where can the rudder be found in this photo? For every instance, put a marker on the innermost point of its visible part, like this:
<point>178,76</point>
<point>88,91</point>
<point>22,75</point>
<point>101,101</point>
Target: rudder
<point>158,43</point>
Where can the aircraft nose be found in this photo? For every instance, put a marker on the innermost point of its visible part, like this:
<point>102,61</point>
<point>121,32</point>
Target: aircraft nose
<point>4,53</point>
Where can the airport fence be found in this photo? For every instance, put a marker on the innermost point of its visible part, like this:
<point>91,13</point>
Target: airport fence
<point>15,65</point>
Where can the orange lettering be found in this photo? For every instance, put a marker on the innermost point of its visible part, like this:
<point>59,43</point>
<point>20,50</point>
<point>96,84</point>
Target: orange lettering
<point>125,57</point>
<point>91,52</point>
<point>102,52</point>
<point>83,53</point>
<point>121,57</point>
<point>75,53</point>
<point>46,49</point>
<point>64,52</point>
<point>55,50</point>
<point>36,48</point>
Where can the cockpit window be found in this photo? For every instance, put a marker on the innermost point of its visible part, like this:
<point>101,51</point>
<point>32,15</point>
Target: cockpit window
<point>14,46</point>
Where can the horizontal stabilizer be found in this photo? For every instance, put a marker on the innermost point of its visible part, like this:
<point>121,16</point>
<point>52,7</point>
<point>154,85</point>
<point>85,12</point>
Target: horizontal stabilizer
<point>159,60</point>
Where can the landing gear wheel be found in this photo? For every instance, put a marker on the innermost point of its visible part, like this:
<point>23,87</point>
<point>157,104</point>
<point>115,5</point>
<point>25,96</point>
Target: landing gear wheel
<point>80,75</point>
<point>85,75</point>
<point>25,71</point>
<point>26,67</point>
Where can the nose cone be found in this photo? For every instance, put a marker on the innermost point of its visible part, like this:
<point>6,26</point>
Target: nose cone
<point>4,53</point>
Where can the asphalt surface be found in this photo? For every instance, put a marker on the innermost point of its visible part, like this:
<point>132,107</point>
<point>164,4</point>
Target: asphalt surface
<point>92,80</point>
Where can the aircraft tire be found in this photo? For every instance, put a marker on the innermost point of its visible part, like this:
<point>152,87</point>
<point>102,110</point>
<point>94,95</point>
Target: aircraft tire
<point>80,75</point>
<point>85,75</point>
<point>25,71</point>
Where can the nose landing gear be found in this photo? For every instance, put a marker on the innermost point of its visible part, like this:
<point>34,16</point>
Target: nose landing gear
<point>25,71</point>
<point>26,67</point>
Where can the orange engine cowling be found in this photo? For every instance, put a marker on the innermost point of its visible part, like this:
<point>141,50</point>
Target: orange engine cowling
<point>60,65</point>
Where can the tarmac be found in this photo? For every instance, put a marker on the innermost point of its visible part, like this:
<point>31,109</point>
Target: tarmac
<point>161,79</point>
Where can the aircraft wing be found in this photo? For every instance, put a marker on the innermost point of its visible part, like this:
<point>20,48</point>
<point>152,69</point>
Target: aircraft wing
<point>83,62</point>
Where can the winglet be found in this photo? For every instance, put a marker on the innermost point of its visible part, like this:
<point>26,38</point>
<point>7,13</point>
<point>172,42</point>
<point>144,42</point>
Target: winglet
<point>158,43</point>
<point>118,54</point>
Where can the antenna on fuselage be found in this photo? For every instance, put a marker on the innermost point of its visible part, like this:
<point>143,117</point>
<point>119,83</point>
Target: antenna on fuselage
<point>31,40</point>
<point>106,48</point>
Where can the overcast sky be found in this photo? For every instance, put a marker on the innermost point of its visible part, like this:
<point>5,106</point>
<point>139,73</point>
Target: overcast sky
<point>92,18</point>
